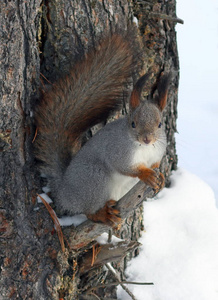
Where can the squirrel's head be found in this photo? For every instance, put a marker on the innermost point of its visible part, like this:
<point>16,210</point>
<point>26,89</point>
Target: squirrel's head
<point>145,117</point>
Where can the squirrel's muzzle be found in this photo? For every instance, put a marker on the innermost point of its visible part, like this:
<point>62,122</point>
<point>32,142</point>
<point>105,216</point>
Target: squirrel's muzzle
<point>147,140</point>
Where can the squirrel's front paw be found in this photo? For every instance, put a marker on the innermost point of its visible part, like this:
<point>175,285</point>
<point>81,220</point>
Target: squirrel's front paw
<point>108,214</point>
<point>148,176</point>
<point>153,178</point>
<point>161,181</point>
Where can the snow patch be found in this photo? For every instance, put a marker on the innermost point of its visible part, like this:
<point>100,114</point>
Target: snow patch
<point>180,244</point>
<point>103,239</point>
<point>72,220</point>
<point>45,197</point>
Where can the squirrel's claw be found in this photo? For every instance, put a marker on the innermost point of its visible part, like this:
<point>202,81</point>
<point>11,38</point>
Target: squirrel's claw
<point>160,183</point>
<point>150,177</point>
<point>108,214</point>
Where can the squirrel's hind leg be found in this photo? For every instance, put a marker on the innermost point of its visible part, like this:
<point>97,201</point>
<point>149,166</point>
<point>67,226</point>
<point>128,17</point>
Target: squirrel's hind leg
<point>108,214</point>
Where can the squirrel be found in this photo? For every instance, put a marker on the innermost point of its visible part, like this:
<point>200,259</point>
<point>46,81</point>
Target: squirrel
<point>90,180</point>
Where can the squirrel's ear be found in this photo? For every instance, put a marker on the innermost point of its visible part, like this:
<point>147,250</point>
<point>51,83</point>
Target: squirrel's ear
<point>137,90</point>
<point>162,88</point>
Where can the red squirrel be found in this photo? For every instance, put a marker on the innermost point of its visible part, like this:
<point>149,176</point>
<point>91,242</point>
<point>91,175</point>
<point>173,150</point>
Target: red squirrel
<point>91,180</point>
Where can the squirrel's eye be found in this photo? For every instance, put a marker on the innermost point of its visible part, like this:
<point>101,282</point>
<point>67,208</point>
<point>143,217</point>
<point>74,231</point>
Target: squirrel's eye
<point>159,126</point>
<point>133,124</point>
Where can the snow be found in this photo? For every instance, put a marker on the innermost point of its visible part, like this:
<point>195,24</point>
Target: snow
<point>180,244</point>
<point>197,142</point>
<point>136,21</point>
<point>45,197</point>
<point>103,239</point>
<point>72,220</point>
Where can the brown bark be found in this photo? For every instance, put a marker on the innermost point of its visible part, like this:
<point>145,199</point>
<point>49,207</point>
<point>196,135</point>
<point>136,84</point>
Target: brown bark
<point>45,37</point>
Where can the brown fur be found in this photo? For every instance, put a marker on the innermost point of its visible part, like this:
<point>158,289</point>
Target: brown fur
<point>92,90</point>
<point>107,214</point>
<point>163,87</point>
<point>136,93</point>
<point>149,176</point>
<point>155,166</point>
<point>135,99</point>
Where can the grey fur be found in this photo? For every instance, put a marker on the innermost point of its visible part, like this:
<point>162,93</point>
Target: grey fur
<point>86,184</point>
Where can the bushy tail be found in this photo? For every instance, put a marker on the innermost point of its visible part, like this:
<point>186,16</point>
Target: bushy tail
<point>92,90</point>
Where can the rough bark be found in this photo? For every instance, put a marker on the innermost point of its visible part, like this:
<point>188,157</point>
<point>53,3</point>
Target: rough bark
<point>43,37</point>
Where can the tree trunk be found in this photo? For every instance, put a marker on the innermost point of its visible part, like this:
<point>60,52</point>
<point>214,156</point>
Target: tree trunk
<point>41,38</point>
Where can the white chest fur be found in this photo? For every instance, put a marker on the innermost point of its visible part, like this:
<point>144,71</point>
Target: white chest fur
<point>120,185</point>
<point>148,154</point>
<point>144,154</point>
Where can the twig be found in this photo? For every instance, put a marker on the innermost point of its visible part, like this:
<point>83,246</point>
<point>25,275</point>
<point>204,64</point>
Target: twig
<point>137,283</point>
<point>121,284</point>
<point>104,254</point>
<point>166,17</point>
<point>117,283</point>
<point>96,296</point>
<point>161,16</point>
<point>35,135</point>
<point>110,233</point>
<point>45,78</point>
<point>144,2</point>
<point>95,251</point>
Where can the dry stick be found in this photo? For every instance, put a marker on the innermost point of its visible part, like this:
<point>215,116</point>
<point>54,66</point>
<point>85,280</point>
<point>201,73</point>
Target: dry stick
<point>162,16</point>
<point>110,233</point>
<point>45,78</point>
<point>96,296</point>
<point>95,251</point>
<point>159,15</point>
<point>144,2</point>
<point>103,285</point>
<point>35,135</point>
<point>137,283</point>
<point>133,199</point>
<point>106,253</point>
<point>121,284</point>
<point>88,231</point>
<point>115,283</point>
<point>166,17</point>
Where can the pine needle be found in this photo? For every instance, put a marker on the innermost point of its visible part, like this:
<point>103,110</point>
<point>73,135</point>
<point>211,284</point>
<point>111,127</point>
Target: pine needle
<point>56,222</point>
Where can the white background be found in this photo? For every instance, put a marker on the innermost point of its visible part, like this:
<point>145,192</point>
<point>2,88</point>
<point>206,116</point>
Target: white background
<point>197,141</point>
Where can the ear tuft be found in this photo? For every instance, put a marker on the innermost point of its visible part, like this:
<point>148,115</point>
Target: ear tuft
<point>162,88</point>
<point>137,90</point>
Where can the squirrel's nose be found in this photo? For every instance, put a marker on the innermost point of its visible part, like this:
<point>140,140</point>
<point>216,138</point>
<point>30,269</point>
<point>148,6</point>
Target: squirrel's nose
<point>147,140</point>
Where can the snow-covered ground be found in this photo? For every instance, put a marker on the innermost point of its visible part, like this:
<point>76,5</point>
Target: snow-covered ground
<point>179,252</point>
